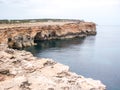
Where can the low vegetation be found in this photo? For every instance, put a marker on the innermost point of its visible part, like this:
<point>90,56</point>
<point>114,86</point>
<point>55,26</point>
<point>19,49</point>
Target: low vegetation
<point>6,21</point>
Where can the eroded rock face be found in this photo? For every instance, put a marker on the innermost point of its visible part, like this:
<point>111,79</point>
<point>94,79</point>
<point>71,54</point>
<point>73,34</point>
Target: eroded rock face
<point>19,36</point>
<point>20,70</point>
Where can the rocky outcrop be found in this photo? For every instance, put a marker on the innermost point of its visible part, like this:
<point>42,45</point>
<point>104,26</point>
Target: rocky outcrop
<point>20,70</point>
<point>23,35</point>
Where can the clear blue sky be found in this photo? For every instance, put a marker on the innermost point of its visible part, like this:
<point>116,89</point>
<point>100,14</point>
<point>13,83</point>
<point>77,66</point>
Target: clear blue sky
<point>103,12</point>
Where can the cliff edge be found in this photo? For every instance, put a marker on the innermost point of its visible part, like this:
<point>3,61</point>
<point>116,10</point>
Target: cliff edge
<point>20,70</point>
<point>24,35</point>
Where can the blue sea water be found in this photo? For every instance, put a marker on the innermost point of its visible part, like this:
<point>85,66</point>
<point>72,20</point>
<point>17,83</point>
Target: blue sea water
<point>96,57</point>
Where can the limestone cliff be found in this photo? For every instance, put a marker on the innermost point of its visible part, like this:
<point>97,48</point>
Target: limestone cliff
<point>23,35</point>
<point>20,70</point>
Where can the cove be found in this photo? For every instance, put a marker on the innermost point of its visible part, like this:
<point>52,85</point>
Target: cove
<point>97,57</point>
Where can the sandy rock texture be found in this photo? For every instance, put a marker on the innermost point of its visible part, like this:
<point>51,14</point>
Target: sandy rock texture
<point>24,35</point>
<point>20,70</point>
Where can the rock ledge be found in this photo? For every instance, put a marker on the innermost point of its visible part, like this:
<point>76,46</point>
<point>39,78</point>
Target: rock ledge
<point>18,36</point>
<point>20,70</point>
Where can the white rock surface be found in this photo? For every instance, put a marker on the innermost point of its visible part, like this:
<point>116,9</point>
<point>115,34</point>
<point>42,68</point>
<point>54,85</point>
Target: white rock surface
<point>20,70</point>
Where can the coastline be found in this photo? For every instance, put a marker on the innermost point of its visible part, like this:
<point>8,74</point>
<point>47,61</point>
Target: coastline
<point>20,70</point>
<point>18,36</point>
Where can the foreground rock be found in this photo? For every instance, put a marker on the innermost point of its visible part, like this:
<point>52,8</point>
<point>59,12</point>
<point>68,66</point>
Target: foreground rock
<point>24,35</point>
<point>20,70</point>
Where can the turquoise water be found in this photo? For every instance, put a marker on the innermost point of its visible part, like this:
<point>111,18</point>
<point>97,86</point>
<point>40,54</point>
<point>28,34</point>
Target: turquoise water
<point>96,57</point>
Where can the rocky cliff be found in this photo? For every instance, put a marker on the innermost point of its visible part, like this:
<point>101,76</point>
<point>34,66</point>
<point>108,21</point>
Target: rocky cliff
<point>23,35</point>
<point>20,70</point>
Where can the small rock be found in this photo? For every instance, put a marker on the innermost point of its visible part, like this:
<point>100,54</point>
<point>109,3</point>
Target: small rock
<point>49,63</point>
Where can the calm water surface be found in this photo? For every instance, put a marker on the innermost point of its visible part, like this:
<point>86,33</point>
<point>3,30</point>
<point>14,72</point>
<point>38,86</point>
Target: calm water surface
<point>96,57</point>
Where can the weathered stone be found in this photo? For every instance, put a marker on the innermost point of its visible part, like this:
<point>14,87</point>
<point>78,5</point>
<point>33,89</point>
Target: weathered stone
<point>4,71</point>
<point>20,70</point>
<point>25,72</point>
<point>19,36</point>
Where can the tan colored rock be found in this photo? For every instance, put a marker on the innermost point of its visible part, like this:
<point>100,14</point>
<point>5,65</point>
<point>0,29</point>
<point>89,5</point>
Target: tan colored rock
<point>24,35</point>
<point>20,70</point>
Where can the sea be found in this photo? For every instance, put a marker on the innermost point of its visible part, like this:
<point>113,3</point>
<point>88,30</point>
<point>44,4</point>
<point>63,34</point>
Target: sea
<point>96,57</point>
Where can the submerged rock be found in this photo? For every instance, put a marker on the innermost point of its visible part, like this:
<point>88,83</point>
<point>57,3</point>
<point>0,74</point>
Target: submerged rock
<point>20,70</point>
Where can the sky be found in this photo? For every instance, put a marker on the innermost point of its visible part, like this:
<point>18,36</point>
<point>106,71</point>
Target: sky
<point>103,12</point>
